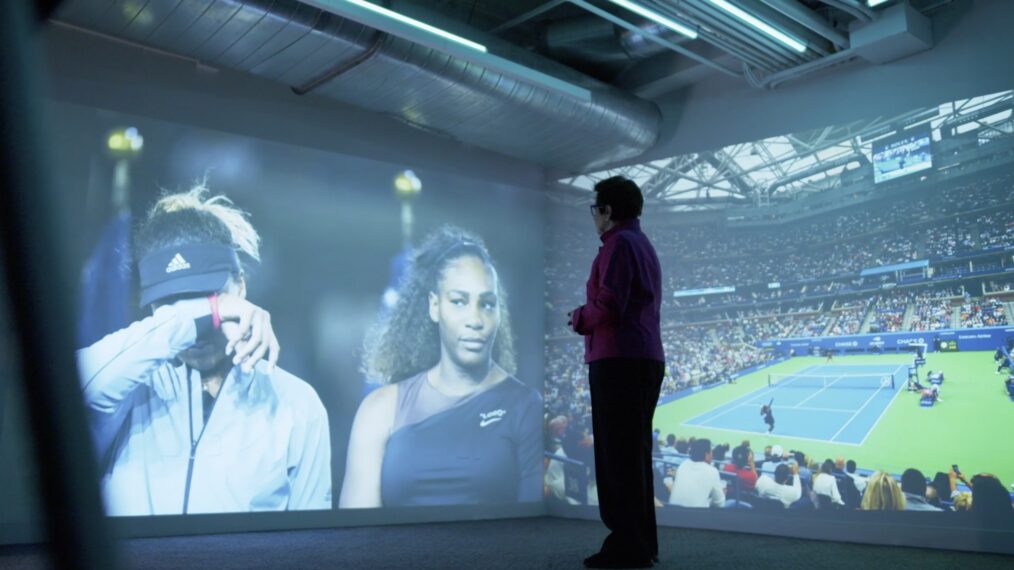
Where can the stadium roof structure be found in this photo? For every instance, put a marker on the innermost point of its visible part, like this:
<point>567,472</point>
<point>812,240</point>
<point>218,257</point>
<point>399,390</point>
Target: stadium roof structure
<point>788,167</point>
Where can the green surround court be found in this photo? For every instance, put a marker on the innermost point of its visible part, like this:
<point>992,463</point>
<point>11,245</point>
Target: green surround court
<point>972,425</point>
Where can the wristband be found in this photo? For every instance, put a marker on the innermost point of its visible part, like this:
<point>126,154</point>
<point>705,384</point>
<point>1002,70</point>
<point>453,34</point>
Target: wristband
<point>216,320</point>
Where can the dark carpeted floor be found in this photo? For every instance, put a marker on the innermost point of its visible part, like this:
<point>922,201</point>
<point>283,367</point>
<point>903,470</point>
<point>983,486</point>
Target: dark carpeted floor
<point>502,544</point>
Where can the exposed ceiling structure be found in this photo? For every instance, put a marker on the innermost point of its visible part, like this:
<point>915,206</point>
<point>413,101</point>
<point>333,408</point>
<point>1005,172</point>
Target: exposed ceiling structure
<point>791,166</point>
<point>564,83</point>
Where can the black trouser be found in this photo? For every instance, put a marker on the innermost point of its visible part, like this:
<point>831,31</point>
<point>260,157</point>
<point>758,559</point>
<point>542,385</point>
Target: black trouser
<point>624,394</point>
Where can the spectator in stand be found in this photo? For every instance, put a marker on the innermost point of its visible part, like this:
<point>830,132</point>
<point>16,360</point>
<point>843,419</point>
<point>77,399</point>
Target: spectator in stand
<point>778,457</point>
<point>718,454</point>
<point>839,465</point>
<point>697,483</point>
<point>742,465</point>
<point>989,498</point>
<point>825,484</point>
<point>785,485</point>
<point>669,449</point>
<point>941,490</point>
<point>682,446</point>
<point>963,502</point>
<point>882,494</point>
<point>859,480</point>
<point>804,472</point>
<point>554,478</point>
<point>913,485</point>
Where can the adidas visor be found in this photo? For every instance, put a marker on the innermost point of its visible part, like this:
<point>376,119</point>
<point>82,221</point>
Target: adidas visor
<point>178,270</point>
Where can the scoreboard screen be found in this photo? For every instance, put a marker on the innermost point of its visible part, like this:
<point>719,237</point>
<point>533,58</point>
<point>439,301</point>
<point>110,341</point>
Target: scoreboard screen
<point>901,155</point>
<point>948,346</point>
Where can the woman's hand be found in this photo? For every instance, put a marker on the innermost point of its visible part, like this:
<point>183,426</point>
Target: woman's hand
<point>247,328</point>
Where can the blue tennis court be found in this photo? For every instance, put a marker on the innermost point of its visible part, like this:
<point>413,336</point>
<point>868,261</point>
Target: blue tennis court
<point>837,403</point>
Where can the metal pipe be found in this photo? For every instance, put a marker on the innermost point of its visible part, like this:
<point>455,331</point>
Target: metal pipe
<point>810,39</point>
<point>637,46</point>
<point>738,48</point>
<point>729,25</point>
<point>772,81</point>
<point>856,9</point>
<point>733,27</point>
<point>741,49</point>
<point>793,9</point>
<point>343,67</point>
<point>675,47</point>
<point>728,45</point>
<point>533,13</point>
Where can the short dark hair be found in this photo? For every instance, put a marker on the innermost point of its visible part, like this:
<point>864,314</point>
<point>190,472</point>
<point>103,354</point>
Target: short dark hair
<point>850,466</point>
<point>682,446</point>
<point>699,448</point>
<point>670,440</point>
<point>740,456</point>
<point>622,195</point>
<point>827,467</point>
<point>913,481</point>
<point>782,474</point>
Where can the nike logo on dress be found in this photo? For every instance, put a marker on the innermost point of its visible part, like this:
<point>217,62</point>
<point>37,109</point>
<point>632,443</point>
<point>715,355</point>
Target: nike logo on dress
<point>487,418</point>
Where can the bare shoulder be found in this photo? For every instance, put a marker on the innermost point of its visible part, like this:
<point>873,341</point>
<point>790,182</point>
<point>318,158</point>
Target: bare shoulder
<point>381,401</point>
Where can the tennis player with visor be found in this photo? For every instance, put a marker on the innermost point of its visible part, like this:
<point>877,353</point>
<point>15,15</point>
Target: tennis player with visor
<point>189,412</point>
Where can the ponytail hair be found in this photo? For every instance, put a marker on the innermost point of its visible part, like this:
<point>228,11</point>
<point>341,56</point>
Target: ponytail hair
<point>196,216</point>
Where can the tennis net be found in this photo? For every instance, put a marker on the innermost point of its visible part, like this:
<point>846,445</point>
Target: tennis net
<point>865,381</point>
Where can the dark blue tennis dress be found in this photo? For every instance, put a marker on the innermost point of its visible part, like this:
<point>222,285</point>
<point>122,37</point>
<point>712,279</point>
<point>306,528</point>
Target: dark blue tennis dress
<point>484,447</point>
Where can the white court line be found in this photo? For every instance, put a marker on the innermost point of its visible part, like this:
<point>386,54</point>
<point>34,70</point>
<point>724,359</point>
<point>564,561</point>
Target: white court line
<point>771,389</point>
<point>856,415</point>
<point>747,399</point>
<point>808,398</point>
<point>887,407</point>
<point>810,409</point>
<point>849,411</point>
<point>731,409</point>
<point>779,436</point>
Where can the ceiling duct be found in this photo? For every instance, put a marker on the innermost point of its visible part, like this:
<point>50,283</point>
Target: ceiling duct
<point>589,38</point>
<point>317,52</point>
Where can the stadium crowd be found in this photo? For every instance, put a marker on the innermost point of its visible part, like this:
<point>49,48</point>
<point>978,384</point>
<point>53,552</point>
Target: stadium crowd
<point>988,312</point>
<point>931,310</point>
<point>889,312</point>
<point>691,472</point>
<point>936,225</point>
<point>711,338</point>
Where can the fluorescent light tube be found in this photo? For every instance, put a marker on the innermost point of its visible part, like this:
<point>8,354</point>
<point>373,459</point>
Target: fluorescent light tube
<point>768,29</point>
<point>657,18</point>
<point>417,24</point>
<point>873,3</point>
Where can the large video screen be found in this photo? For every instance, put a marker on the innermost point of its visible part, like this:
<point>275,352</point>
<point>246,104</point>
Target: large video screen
<point>846,357</point>
<point>265,327</point>
<point>902,154</point>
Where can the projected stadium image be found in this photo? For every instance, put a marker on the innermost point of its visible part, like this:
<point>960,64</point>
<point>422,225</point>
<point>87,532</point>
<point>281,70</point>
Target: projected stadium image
<point>265,327</point>
<point>831,343</point>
